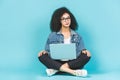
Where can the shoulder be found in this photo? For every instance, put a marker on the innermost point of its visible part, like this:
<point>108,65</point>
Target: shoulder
<point>52,35</point>
<point>76,34</point>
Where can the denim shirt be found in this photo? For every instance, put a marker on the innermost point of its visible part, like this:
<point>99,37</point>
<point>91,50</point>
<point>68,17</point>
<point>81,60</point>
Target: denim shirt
<point>57,37</point>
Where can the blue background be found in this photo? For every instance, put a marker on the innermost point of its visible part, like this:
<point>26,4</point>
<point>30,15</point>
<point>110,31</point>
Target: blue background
<point>24,28</point>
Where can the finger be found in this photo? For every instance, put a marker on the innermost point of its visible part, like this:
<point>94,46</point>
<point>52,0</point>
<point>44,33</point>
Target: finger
<point>88,54</point>
<point>40,53</point>
<point>84,52</point>
<point>44,52</point>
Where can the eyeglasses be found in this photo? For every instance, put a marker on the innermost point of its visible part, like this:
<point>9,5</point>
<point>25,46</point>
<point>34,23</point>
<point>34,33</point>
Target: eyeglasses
<point>64,19</point>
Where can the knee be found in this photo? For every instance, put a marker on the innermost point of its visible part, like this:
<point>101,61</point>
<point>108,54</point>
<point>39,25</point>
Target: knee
<point>88,57</point>
<point>85,56</point>
<point>42,57</point>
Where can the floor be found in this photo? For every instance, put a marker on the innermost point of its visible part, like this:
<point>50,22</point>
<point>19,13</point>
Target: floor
<point>43,76</point>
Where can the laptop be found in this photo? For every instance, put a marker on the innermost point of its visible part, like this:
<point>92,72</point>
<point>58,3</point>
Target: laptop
<point>63,51</point>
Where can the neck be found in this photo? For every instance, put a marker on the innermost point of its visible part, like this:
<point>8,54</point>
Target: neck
<point>64,30</point>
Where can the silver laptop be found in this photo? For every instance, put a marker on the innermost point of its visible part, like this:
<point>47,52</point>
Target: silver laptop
<point>63,51</point>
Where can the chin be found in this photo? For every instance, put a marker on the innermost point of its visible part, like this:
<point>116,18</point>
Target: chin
<point>67,26</point>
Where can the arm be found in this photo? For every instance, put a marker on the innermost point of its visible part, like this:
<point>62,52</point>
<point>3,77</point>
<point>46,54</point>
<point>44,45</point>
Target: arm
<point>82,48</point>
<point>47,48</point>
<point>46,51</point>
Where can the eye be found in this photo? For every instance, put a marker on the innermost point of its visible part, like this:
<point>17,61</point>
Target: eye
<point>65,18</point>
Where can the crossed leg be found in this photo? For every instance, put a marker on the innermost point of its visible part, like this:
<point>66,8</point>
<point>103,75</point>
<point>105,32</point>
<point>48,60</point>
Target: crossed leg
<point>69,66</point>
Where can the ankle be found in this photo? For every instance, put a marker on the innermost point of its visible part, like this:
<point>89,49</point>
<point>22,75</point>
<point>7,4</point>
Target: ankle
<point>62,67</point>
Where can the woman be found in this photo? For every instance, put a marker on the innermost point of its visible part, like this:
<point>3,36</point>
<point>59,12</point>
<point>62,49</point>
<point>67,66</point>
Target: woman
<point>63,25</point>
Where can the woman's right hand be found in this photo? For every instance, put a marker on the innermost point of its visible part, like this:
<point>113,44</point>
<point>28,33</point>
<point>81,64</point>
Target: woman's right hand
<point>41,53</point>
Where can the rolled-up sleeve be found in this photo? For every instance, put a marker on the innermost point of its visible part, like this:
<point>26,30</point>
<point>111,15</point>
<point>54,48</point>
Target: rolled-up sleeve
<point>47,48</point>
<point>80,45</point>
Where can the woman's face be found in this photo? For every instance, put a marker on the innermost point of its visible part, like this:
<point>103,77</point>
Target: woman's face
<point>65,20</point>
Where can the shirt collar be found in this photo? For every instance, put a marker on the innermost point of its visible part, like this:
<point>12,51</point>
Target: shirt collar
<point>72,32</point>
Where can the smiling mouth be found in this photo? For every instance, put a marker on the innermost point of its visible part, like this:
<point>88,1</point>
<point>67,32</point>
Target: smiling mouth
<point>67,24</point>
